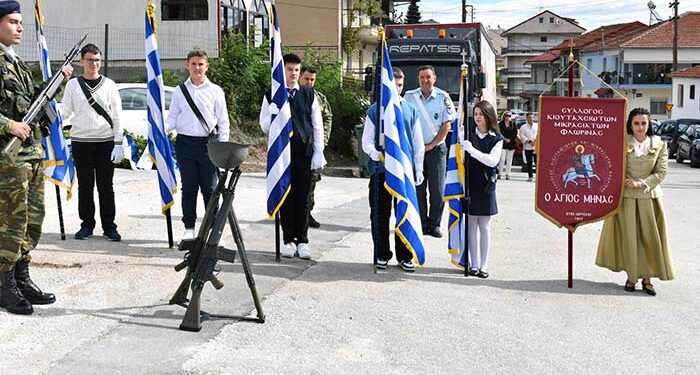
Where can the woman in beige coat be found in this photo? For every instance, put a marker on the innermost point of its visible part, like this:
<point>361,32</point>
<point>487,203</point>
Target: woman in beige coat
<point>634,240</point>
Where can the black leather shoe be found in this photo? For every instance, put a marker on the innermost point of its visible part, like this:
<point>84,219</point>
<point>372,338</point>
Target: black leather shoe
<point>482,274</point>
<point>11,299</point>
<point>648,289</point>
<point>313,223</point>
<point>435,232</point>
<point>29,290</point>
<point>473,272</point>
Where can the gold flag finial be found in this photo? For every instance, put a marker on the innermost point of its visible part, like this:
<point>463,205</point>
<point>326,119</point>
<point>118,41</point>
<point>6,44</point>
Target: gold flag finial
<point>151,14</point>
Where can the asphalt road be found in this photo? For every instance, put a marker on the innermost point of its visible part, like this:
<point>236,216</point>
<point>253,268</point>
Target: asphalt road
<point>334,315</point>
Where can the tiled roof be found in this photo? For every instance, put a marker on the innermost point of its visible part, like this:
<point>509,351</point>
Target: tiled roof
<point>610,33</point>
<point>661,34</point>
<point>693,72</point>
<point>569,20</point>
<point>546,57</point>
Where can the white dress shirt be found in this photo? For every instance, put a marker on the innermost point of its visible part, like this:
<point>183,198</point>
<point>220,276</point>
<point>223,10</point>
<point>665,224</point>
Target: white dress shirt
<point>492,158</point>
<point>528,133</point>
<point>211,102</point>
<point>316,123</point>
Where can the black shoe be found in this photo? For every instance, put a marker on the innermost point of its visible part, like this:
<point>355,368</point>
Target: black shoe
<point>112,235</point>
<point>435,232</point>
<point>473,272</point>
<point>29,290</point>
<point>313,223</point>
<point>83,234</point>
<point>381,264</point>
<point>11,299</point>
<point>407,266</point>
<point>630,286</point>
<point>482,274</point>
<point>648,289</point>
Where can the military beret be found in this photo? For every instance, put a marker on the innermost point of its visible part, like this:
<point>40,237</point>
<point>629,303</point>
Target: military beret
<point>9,6</point>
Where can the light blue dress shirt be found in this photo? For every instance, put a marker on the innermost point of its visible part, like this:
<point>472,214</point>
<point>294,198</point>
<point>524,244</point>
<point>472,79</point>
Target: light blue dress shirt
<point>438,107</point>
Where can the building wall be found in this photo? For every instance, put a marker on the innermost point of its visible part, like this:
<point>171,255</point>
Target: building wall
<point>315,21</point>
<point>691,107</point>
<point>661,55</point>
<point>558,26</point>
<point>643,98</point>
<point>607,60</point>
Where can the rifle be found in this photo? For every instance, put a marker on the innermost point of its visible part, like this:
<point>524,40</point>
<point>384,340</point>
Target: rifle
<point>41,105</point>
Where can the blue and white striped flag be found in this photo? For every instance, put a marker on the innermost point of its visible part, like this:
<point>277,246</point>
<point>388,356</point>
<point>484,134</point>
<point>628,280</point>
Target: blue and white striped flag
<point>278,148</point>
<point>454,187</point>
<point>131,151</point>
<point>158,142</point>
<point>59,168</point>
<point>398,164</point>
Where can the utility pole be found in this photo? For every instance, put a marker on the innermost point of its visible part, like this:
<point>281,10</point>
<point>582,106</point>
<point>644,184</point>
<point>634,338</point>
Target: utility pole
<point>674,5</point>
<point>464,11</point>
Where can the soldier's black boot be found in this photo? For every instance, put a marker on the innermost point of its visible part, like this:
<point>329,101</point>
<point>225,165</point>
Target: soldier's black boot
<point>30,291</point>
<point>11,299</point>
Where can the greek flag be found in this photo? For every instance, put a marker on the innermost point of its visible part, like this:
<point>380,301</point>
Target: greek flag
<point>59,168</point>
<point>397,161</point>
<point>131,151</point>
<point>454,187</point>
<point>278,148</point>
<point>158,141</point>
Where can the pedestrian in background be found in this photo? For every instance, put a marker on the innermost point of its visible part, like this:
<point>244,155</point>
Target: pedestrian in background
<point>308,79</point>
<point>510,134</point>
<point>528,137</point>
<point>91,104</point>
<point>21,181</point>
<point>484,144</point>
<point>436,112</point>
<point>380,201</point>
<point>634,240</point>
<point>198,113</point>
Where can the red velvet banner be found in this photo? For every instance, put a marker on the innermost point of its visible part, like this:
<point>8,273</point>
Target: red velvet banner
<point>580,159</point>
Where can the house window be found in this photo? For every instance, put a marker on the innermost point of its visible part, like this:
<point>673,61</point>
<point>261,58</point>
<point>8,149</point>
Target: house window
<point>233,16</point>
<point>541,19</point>
<point>691,92</point>
<point>551,19</point>
<point>543,39</point>
<point>679,104</point>
<point>657,106</point>
<point>185,10</point>
<point>260,22</point>
<point>545,76</point>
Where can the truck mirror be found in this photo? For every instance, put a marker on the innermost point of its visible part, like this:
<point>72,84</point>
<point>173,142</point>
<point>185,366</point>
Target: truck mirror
<point>481,80</point>
<point>369,79</point>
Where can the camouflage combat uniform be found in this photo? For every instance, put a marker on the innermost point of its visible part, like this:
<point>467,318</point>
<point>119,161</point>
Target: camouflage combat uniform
<point>327,123</point>
<point>21,183</point>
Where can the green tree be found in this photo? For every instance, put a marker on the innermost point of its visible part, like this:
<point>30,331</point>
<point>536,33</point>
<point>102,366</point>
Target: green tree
<point>413,13</point>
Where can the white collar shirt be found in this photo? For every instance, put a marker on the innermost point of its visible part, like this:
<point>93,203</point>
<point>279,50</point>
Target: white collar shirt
<point>211,102</point>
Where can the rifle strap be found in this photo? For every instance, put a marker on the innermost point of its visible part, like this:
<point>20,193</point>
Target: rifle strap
<point>194,108</point>
<point>93,103</point>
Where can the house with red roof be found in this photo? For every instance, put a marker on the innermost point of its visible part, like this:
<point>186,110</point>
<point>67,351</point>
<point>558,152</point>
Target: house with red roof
<point>638,63</point>
<point>526,40</point>
<point>685,95</point>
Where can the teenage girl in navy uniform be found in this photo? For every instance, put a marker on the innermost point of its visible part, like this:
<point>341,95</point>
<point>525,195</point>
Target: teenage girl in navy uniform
<point>484,147</point>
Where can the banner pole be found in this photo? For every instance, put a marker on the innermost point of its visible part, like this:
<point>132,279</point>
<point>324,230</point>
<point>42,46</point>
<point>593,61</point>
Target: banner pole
<point>60,213</point>
<point>277,237</point>
<point>379,65</point>
<point>570,231</point>
<point>169,224</point>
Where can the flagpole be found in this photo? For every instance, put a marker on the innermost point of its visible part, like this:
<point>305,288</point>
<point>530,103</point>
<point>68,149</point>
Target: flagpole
<point>377,144</point>
<point>169,224</point>
<point>277,237</point>
<point>466,124</point>
<point>60,213</point>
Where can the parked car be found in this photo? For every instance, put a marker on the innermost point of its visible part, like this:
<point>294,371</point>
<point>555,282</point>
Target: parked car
<point>655,125</point>
<point>689,146</point>
<point>134,115</point>
<point>670,130</point>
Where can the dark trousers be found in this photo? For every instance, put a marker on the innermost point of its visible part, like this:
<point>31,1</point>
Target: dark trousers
<point>530,161</point>
<point>380,216</point>
<point>434,169</point>
<point>197,174</point>
<point>93,165</point>
<point>294,213</point>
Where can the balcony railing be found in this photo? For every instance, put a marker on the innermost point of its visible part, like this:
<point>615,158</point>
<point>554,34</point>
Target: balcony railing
<point>538,87</point>
<point>523,50</point>
<point>516,72</point>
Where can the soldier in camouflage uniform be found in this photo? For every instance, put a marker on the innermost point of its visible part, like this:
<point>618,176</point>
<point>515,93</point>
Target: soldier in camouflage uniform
<point>308,78</point>
<point>21,182</point>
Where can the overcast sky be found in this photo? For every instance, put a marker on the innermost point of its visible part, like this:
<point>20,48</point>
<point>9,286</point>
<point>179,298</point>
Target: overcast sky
<point>589,14</point>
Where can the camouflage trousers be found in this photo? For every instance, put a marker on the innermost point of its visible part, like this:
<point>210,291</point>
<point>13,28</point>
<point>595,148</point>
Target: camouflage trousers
<point>21,210</point>
<point>315,177</point>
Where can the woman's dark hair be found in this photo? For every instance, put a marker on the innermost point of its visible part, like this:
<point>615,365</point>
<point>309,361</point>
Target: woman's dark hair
<point>490,114</point>
<point>637,112</point>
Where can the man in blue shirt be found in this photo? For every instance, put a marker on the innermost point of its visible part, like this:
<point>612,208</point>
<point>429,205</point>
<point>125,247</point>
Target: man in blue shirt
<point>380,215</point>
<point>436,111</point>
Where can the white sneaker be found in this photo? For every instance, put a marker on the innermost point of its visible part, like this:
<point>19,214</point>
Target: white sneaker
<point>303,251</point>
<point>189,234</point>
<point>288,250</point>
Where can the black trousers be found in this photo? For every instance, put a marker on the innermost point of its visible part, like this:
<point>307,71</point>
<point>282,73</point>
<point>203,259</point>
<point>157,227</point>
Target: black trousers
<point>380,216</point>
<point>93,166</point>
<point>530,161</point>
<point>197,174</point>
<point>294,213</point>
